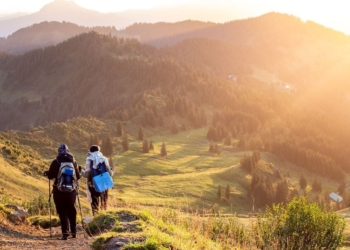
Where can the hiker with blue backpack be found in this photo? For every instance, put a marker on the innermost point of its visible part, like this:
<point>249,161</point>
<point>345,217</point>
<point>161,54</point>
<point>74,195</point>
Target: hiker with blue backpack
<point>64,170</point>
<point>99,179</point>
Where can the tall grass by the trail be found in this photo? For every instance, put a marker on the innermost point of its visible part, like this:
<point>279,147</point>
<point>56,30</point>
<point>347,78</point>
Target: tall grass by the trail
<point>297,225</point>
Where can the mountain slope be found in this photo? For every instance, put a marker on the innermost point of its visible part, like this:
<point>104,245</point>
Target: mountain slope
<point>45,34</point>
<point>61,10</point>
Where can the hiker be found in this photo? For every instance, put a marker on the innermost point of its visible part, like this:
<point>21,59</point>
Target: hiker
<point>64,189</point>
<point>96,199</point>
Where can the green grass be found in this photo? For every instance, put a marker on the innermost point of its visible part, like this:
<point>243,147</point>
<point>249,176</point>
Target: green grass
<point>187,177</point>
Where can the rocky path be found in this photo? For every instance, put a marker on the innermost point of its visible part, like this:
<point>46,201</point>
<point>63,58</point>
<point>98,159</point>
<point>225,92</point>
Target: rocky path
<point>29,237</point>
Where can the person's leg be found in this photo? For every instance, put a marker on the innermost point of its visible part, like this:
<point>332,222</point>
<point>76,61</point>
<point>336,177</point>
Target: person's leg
<point>104,199</point>
<point>72,213</point>
<point>59,200</point>
<point>95,200</point>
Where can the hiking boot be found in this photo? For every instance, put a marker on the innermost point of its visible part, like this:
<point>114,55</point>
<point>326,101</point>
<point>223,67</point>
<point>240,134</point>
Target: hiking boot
<point>64,237</point>
<point>74,235</point>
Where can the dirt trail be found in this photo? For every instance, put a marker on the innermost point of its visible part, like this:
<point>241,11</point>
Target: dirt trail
<point>29,237</point>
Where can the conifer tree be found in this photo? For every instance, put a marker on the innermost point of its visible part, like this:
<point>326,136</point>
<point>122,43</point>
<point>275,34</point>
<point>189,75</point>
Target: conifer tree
<point>108,146</point>
<point>163,151</point>
<point>302,183</point>
<point>219,192</point>
<point>316,186</point>
<point>173,127</point>
<point>282,192</point>
<point>145,148</point>
<point>140,134</point>
<point>151,147</point>
<point>227,141</point>
<point>119,129</point>
<point>211,147</point>
<point>227,192</point>
<point>125,142</point>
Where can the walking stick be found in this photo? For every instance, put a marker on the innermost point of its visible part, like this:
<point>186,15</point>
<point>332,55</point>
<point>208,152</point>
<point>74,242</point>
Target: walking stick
<point>50,206</point>
<point>81,214</point>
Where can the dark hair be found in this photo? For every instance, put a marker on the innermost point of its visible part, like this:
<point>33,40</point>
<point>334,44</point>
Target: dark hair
<point>94,148</point>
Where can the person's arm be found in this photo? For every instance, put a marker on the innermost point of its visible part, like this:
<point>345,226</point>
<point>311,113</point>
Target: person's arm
<point>87,171</point>
<point>53,171</point>
<point>108,168</point>
<point>78,175</point>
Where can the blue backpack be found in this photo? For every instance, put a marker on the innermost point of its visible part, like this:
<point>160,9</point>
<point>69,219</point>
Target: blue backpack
<point>101,178</point>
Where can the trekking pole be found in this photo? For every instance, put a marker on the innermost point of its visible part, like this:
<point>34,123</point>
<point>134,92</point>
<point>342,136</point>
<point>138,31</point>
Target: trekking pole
<point>50,206</point>
<point>81,214</point>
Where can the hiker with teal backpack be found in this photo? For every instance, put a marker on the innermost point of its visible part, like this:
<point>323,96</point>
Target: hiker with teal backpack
<point>99,179</point>
<point>64,170</point>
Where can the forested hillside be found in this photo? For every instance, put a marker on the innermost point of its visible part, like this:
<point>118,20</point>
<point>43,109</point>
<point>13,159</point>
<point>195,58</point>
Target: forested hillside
<point>280,102</point>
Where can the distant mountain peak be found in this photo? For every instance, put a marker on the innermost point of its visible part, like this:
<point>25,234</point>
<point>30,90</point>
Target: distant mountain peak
<point>61,5</point>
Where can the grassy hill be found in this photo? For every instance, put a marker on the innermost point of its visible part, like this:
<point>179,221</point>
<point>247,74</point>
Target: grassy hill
<point>187,178</point>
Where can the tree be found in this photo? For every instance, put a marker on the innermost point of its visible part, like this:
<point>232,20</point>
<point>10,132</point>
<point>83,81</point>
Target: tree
<point>242,142</point>
<point>140,134</point>
<point>211,147</point>
<point>163,151</point>
<point>282,192</point>
<point>302,183</point>
<point>299,225</point>
<point>145,147</point>
<point>107,146</point>
<point>212,134</point>
<point>256,156</point>
<point>219,192</point>
<point>227,141</point>
<point>151,147</point>
<point>227,192</point>
<point>173,127</point>
<point>93,140</point>
<point>316,186</point>
<point>125,142</point>
<point>119,129</point>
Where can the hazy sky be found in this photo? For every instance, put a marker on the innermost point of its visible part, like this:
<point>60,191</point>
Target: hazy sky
<point>333,14</point>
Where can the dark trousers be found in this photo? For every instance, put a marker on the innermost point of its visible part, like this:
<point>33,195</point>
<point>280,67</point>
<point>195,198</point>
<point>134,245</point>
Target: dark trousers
<point>104,199</point>
<point>98,199</point>
<point>66,209</point>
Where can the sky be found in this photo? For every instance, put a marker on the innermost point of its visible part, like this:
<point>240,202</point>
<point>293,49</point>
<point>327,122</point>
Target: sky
<point>333,14</point>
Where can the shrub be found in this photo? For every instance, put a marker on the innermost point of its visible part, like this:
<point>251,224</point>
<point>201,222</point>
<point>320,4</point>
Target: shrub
<point>44,221</point>
<point>299,225</point>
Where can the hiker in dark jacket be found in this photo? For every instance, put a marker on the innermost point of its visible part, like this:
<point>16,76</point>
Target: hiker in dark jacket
<point>64,201</point>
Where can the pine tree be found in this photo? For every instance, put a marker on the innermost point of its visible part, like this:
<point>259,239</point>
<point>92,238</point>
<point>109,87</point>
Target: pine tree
<point>282,192</point>
<point>119,129</point>
<point>302,183</point>
<point>140,134</point>
<point>211,147</point>
<point>173,127</point>
<point>163,151</point>
<point>219,192</point>
<point>125,142</point>
<point>227,192</point>
<point>151,147</point>
<point>145,148</point>
<point>108,146</point>
<point>227,141</point>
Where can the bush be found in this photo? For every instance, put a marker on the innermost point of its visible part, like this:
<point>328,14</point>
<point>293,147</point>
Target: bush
<point>44,221</point>
<point>299,225</point>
